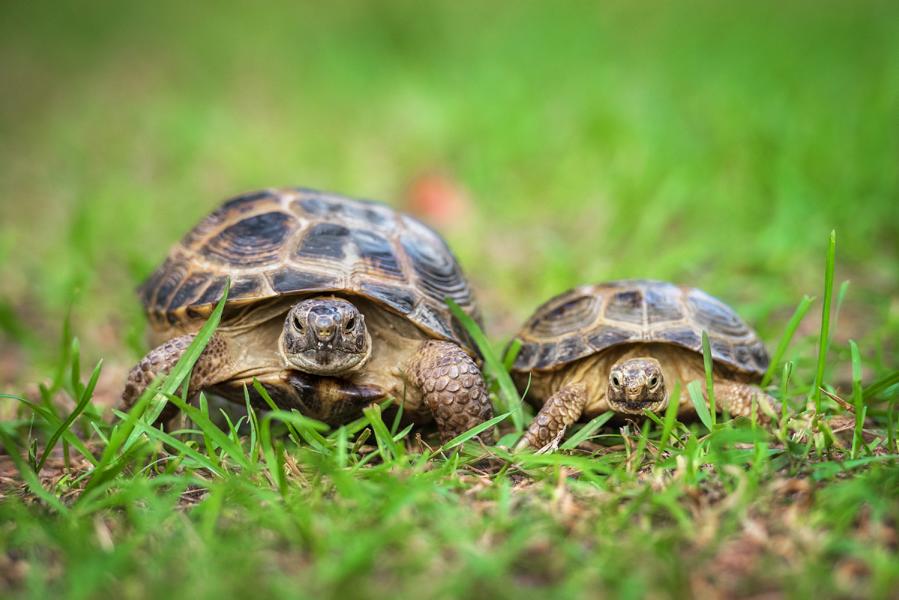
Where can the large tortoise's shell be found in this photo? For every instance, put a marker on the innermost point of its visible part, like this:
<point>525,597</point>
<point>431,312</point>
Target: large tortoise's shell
<point>283,242</point>
<point>590,319</point>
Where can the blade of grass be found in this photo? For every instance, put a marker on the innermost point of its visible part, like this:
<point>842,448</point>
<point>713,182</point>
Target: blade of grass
<point>477,429</point>
<point>784,396</point>
<point>857,400</point>
<point>398,417</point>
<point>357,425</point>
<point>841,295</point>
<point>86,395</point>
<point>694,388</point>
<point>253,420</point>
<point>881,385</point>
<point>125,435</point>
<point>824,336</point>
<point>340,455</point>
<point>787,337</point>
<point>75,374</point>
<point>388,448</point>
<point>397,437</point>
<point>670,417</point>
<point>707,363</point>
<point>269,449</point>
<point>173,442</point>
<point>270,452</point>
<point>510,396</point>
<point>208,444</point>
<point>29,476</point>
<point>66,347</point>
<point>637,461</point>
<point>212,432</point>
<point>511,353</point>
<point>163,387</point>
<point>56,422</point>
<point>891,425</point>
<point>263,393</point>
<point>582,434</point>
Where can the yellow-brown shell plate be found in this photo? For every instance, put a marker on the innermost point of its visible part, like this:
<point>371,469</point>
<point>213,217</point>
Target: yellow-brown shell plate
<point>591,318</point>
<point>282,242</point>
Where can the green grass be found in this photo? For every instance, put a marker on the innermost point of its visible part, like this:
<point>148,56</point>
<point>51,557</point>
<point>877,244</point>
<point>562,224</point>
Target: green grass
<point>712,145</point>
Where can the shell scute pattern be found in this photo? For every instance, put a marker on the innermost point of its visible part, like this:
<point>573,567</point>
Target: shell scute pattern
<point>607,336</point>
<point>568,315</point>
<point>295,241</point>
<point>714,316</point>
<point>681,336</point>
<point>634,311</point>
<point>213,291</point>
<point>229,211</point>
<point>289,279</point>
<point>250,242</point>
<point>190,287</point>
<point>627,306</point>
<point>436,269</point>
<point>324,240</point>
<point>663,306</point>
<point>377,252</point>
<point>399,298</point>
<point>363,213</point>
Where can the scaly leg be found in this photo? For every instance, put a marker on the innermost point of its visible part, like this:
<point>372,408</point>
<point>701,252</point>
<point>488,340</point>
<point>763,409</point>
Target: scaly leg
<point>210,368</point>
<point>736,399</point>
<point>560,410</point>
<point>452,387</point>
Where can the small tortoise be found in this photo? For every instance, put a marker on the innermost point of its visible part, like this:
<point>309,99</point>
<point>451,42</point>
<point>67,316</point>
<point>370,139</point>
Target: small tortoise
<point>334,303</point>
<point>621,345</point>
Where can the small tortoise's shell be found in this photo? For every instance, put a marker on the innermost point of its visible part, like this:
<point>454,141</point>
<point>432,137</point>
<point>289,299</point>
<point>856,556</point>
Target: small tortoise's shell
<point>283,242</point>
<point>590,319</point>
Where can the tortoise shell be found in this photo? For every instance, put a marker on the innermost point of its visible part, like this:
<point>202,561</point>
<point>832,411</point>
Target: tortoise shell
<point>589,319</point>
<point>282,242</point>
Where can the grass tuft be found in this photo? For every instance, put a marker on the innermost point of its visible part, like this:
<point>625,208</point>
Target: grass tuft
<point>824,336</point>
<point>495,368</point>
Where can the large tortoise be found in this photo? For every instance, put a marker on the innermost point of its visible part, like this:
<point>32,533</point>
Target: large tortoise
<point>334,303</point>
<point>621,345</point>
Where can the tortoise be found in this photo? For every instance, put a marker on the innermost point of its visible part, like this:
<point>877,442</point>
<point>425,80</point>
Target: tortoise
<point>621,345</point>
<point>334,303</point>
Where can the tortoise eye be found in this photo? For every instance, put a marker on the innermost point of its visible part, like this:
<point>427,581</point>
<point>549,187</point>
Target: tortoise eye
<point>616,381</point>
<point>351,323</point>
<point>297,323</point>
<point>653,381</point>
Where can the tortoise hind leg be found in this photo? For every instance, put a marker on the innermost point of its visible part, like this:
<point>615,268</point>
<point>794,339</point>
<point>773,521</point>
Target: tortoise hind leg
<point>452,387</point>
<point>210,368</point>
<point>560,410</point>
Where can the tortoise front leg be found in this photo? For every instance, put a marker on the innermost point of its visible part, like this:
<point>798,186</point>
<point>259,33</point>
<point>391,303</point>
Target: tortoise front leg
<point>736,398</point>
<point>452,388</point>
<point>560,410</point>
<point>210,368</point>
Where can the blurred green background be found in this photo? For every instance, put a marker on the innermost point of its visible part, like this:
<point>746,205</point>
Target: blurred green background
<point>711,144</point>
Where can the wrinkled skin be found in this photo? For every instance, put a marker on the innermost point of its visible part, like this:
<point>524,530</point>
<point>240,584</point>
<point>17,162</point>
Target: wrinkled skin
<point>325,336</point>
<point>635,385</point>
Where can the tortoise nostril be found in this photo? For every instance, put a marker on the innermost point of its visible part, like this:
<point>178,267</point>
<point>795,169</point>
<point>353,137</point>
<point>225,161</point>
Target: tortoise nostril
<point>324,326</point>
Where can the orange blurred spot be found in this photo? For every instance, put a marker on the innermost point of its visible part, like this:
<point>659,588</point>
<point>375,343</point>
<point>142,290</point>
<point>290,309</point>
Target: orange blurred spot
<point>439,200</point>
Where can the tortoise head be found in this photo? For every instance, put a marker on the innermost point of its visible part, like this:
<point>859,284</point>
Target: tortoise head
<point>325,336</point>
<point>635,385</point>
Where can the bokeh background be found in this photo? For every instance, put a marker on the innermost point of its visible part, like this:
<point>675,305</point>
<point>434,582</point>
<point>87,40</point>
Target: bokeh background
<point>715,144</point>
